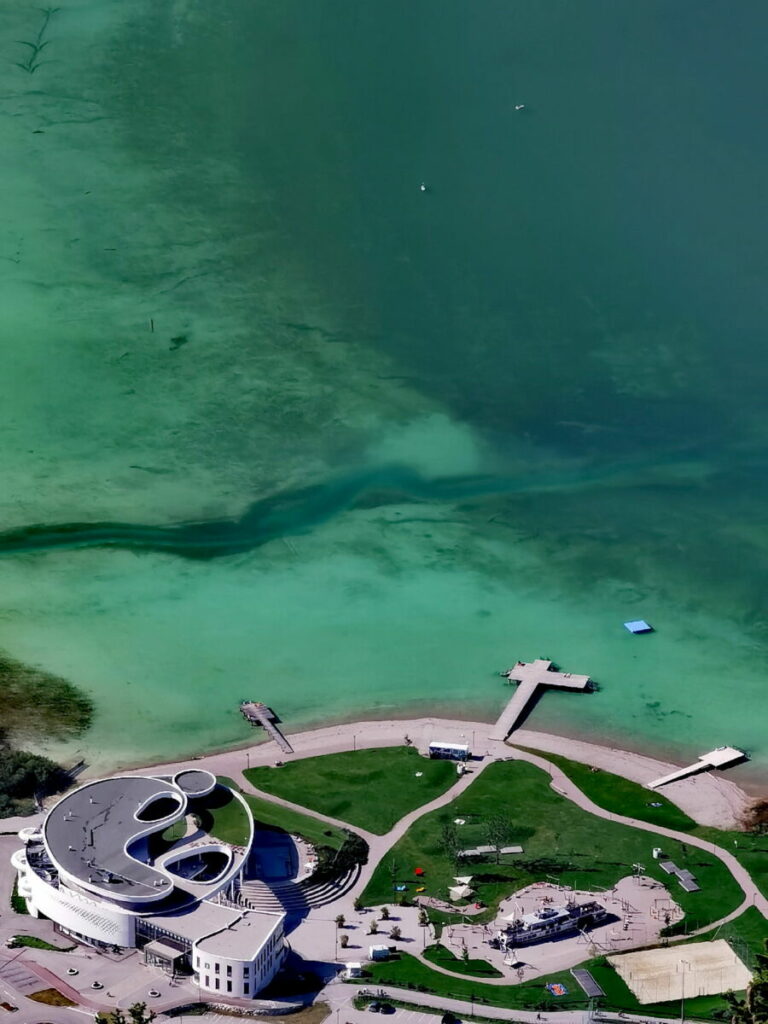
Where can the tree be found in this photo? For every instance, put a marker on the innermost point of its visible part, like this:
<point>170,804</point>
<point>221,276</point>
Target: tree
<point>395,933</point>
<point>340,920</point>
<point>344,941</point>
<point>449,841</point>
<point>753,1008</point>
<point>408,741</point>
<point>385,913</point>
<point>498,832</point>
<point>373,928</point>
<point>423,918</point>
<point>138,1014</point>
<point>358,904</point>
<point>393,869</point>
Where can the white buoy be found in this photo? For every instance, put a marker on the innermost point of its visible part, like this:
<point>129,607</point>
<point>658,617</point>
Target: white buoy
<point>520,106</point>
<point>423,187</point>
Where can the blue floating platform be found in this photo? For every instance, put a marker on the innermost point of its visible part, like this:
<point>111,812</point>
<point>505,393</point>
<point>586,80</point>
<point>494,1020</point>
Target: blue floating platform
<point>638,626</point>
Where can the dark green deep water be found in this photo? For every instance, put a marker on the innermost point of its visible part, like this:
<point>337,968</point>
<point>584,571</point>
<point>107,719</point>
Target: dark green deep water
<point>577,302</point>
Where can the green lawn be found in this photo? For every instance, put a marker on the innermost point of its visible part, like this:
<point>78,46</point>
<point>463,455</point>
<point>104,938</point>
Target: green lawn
<point>621,796</point>
<point>269,815</point>
<point>33,942</point>
<point>443,957</point>
<point>372,789</point>
<point>222,815</point>
<point>747,935</point>
<point>408,972</point>
<point>559,842</point>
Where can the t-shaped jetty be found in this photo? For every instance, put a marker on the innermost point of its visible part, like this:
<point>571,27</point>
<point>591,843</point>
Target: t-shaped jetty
<point>529,676</point>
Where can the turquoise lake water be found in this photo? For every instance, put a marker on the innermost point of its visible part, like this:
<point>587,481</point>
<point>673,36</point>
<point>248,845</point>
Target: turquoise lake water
<point>221,281</point>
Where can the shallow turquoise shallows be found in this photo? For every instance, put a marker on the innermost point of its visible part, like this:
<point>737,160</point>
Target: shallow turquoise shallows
<point>384,344</point>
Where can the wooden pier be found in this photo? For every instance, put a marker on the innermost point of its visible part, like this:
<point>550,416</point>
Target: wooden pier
<point>529,676</point>
<point>259,714</point>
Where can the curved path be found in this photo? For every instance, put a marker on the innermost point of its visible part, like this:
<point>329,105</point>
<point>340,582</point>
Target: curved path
<point>389,734</point>
<point>562,784</point>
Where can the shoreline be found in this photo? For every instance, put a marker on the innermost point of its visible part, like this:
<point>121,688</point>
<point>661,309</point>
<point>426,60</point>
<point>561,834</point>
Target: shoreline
<point>710,799</point>
<point>601,745</point>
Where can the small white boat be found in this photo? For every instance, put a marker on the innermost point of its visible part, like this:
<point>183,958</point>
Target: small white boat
<point>520,106</point>
<point>423,187</point>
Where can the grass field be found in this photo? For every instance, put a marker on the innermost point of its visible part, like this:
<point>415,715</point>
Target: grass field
<point>559,841</point>
<point>621,796</point>
<point>222,816</point>
<point>443,957</point>
<point>747,934</point>
<point>372,789</point>
<point>34,942</point>
<point>269,815</point>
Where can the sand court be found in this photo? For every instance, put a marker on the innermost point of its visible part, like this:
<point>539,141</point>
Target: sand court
<point>700,969</point>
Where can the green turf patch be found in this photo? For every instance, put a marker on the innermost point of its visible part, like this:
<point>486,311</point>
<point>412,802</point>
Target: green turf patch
<point>746,935</point>
<point>33,942</point>
<point>410,973</point>
<point>269,815</point>
<point>560,842</point>
<point>18,903</point>
<point>443,957</point>
<point>372,789</point>
<point>621,796</point>
<point>222,816</point>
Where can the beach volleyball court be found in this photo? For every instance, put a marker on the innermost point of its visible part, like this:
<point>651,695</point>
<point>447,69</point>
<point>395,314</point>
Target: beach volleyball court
<point>700,969</point>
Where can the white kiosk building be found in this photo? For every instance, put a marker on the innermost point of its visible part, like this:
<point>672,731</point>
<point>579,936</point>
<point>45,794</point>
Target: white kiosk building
<point>134,861</point>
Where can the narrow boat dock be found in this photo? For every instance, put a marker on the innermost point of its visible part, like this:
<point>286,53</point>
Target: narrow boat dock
<point>721,757</point>
<point>529,676</point>
<point>259,714</point>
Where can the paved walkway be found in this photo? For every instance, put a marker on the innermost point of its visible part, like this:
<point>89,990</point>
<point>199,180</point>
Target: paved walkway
<point>380,845</point>
<point>316,928</point>
<point>563,785</point>
<point>336,997</point>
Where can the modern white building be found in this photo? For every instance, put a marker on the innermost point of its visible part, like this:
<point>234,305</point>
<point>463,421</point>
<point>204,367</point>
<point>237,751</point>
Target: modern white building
<point>134,862</point>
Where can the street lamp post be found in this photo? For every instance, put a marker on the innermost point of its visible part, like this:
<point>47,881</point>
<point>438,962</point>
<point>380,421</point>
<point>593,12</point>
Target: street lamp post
<point>682,993</point>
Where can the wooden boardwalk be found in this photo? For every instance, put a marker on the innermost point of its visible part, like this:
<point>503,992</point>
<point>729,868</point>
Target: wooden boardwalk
<point>259,714</point>
<point>529,676</point>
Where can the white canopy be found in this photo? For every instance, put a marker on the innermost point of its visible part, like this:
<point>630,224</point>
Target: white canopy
<point>460,892</point>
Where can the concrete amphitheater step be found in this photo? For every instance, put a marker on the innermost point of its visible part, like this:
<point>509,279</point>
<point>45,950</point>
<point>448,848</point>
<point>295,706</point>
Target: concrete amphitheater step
<point>293,896</point>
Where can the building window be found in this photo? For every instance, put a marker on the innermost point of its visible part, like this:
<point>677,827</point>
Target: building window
<point>217,968</point>
<point>216,984</point>
<point>229,986</point>
<point>229,970</point>
<point>207,981</point>
<point>246,987</point>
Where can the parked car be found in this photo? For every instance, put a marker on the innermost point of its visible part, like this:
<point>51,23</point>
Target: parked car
<point>375,1006</point>
<point>387,1008</point>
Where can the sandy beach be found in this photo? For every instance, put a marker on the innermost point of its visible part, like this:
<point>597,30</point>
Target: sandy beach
<point>709,798</point>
